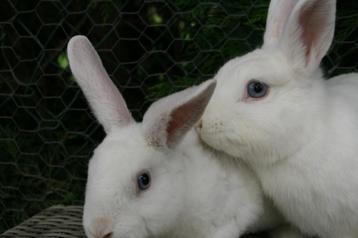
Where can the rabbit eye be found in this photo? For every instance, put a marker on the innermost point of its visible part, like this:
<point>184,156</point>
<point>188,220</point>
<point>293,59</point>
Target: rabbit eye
<point>143,180</point>
<point>257,89</point>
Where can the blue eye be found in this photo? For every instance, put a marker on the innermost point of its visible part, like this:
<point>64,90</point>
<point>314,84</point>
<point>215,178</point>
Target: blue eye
<point>257,89</point>
<point>143,180</point>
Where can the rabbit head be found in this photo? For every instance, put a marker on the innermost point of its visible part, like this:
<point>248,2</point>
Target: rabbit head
<point>265,97</point>
<point>135,177</point>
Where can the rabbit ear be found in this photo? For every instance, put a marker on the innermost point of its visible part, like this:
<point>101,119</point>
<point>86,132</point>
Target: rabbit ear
<point>103,96</point>
<point>168,120</point>
<point>277,16</point>
<point>309,32</point>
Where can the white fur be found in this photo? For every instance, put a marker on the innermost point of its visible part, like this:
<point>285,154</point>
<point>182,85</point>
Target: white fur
<point>195,191</point>
<point>107,103</point>
<point>302,138</point>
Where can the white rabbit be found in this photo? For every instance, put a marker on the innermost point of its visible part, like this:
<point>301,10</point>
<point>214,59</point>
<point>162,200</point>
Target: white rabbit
<point>145,180</point>
<point>273,109</point>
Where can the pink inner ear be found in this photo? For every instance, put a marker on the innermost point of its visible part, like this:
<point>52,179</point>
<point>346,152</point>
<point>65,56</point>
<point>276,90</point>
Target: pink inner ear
<point>279,22</point>
<point>313,20</point>
<point>186,115</point>
<point>180,118</point>
<point>183,117</point>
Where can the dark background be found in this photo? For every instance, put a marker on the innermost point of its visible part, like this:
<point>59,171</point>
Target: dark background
<point>150,48</point>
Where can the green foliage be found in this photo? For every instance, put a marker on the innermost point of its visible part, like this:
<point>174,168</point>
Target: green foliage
<point>62,61</point>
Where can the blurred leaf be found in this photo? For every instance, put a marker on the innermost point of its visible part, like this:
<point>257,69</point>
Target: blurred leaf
<point>62,61</point>
<point>154,16</point>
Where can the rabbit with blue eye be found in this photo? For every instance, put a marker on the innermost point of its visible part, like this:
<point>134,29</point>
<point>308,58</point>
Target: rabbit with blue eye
<point>156,178</point>
<point>298,132</point>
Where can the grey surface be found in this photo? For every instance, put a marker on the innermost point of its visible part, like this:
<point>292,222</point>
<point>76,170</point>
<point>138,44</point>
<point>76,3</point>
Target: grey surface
<point>54,222</point>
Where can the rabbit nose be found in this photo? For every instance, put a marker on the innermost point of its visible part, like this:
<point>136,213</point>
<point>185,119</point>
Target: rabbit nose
<point>109,235</point>
<point>102,228</point>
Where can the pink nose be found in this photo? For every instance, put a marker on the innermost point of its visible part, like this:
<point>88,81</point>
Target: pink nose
<point>101,228</point>
<point>109,235</point>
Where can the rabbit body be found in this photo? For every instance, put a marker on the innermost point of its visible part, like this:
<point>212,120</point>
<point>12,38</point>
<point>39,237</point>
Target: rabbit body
<point>316,185</point>
<point>156,178</point>
<point>273,109</point>
<point>194,194</point>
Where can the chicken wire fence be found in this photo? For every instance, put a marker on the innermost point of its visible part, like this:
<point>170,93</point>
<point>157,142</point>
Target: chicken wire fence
<point>149,48</point>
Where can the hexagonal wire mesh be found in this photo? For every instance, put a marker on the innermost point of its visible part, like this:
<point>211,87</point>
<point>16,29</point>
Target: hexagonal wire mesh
<point>150,48</point>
